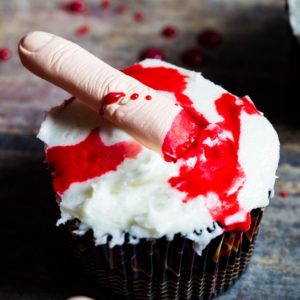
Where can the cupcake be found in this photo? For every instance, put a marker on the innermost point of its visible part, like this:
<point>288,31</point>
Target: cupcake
<point>177,221</point>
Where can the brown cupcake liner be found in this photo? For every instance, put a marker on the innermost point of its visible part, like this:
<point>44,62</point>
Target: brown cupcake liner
<point>162,269</point>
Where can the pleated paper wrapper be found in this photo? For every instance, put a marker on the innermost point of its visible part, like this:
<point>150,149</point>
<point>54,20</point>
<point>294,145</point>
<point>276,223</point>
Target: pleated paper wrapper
<point>162,269</point>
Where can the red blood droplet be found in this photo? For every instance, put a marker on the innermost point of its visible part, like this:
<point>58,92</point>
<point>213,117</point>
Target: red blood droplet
<point>5,54</point>
<point>138,16</point>
<point>210,38</point>
<point>193,57</point>
<point>152,53</point>
<point>110,98</point>
<point>169,31</point>
<point>76,6</point>
<point>148,97</point>
<point>283,194</point>
<point>181,136</point>
<point>121,8</point>
<point>105,4</point>
<point>134,96</point>
<point>88,159</point>
<point>82,30</point>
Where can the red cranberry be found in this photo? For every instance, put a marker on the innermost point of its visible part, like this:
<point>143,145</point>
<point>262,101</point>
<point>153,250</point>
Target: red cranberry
<point>138,16</point>
<point>193,57</point>
<point>210,38</point>
<point>82,30</point>
<point>76,6</point>
<point>152,53</point>
<point>169,31</point>
<point>283,194</point>
<point>121,8</point>
<point>105,4</point>
<point>5,54</point>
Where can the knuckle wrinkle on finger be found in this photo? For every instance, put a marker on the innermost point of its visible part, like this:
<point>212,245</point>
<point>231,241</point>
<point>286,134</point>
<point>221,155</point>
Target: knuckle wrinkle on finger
<point>58,59</point>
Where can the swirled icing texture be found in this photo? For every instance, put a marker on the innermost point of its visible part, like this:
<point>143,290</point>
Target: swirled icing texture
<point>114,185</point>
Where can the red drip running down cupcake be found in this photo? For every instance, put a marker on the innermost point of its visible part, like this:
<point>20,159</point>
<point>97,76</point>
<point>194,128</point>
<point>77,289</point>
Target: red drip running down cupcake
<point>161,175</point>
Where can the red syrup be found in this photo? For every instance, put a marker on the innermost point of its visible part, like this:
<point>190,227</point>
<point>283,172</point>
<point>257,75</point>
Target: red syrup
<point>110,98</point>
<point>209,161</point>
<point>88,159</point>
<point>148,97</point>
<point>134,96</point>
<point>181,137</point>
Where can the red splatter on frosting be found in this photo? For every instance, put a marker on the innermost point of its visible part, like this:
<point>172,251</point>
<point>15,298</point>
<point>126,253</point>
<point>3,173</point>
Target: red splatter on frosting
<point>211,164</point>
<point>158,78</point>
<point>89,159</point>
<point>209,154</point>
<point>167,80</point>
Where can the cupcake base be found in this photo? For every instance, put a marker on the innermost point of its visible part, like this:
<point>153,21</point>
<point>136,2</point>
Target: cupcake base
<point>162,269</point>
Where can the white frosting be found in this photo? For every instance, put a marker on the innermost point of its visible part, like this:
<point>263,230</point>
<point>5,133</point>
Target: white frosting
<point>202,91</point>
<point>294,12</point>
<point>137,198</point>
<point>258,156</point>
<point>66,127</point>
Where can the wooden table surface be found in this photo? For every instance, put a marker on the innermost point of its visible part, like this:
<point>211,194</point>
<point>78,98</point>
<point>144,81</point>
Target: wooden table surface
<point>258,57</point>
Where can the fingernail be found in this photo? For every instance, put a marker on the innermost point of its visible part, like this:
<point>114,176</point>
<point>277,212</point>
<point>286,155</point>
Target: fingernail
<point>36,40</point>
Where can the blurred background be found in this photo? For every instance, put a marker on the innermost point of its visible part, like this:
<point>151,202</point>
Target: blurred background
<point>247,46</point>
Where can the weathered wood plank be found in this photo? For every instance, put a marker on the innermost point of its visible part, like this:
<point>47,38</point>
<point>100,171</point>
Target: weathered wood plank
<point>254,58</point>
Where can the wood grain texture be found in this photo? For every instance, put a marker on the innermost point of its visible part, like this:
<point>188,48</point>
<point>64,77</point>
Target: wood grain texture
<point>254,58</point>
